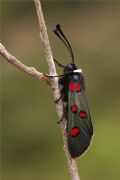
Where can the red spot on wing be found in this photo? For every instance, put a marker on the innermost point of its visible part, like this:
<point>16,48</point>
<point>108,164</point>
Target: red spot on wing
<point>72,86</point>
<point>78,87</point>
<point>83,114</point>
<point>74,108</point>
<point>75,131</point>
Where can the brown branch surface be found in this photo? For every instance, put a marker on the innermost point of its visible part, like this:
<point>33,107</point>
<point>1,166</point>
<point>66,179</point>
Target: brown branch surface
<point>28,70</point>
<point>44,38</point>
<point>55,87</point>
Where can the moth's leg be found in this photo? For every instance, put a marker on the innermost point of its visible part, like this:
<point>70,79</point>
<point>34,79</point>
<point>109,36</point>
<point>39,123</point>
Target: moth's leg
<point>59,64</point>
<point>64,115</point>
<point>51,76</point>
<point>61,75</point>
<point>61,97</point>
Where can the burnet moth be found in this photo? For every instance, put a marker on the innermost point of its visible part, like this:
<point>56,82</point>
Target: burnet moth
<point>72,87</point>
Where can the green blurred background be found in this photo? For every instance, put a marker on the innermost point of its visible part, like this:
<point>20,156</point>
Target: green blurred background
<point>32,146</point>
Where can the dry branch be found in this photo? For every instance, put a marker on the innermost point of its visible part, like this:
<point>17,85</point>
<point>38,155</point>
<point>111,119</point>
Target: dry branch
<point>53,82</point>
<point>14,61</point>
<point>55,87</point>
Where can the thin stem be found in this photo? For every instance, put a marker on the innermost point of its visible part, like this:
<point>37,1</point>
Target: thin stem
<point>55,87</point>
<point>44,38</point>
<point>28,70</point>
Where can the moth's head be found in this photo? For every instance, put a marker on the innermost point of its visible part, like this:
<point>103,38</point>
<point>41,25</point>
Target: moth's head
<point>70,67</point>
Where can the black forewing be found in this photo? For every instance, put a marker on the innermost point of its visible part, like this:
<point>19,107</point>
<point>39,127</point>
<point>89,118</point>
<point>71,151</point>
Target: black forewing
<point>78,143</point>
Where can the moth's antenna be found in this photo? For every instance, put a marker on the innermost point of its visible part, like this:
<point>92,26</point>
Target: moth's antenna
<point>59,33</point>
<point>59,64</point>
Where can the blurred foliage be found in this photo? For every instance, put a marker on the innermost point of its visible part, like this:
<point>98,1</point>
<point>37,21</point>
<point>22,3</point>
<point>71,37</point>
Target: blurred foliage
<point>31,140</point>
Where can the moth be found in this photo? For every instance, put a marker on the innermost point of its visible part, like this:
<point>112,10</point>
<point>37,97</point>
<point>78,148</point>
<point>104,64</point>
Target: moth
<point>76,111</point>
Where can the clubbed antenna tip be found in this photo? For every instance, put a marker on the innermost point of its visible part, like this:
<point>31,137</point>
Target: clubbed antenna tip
<point>63,38</point>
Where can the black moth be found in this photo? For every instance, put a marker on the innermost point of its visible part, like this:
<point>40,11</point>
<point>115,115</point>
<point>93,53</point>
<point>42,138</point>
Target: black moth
<point>79,125</point>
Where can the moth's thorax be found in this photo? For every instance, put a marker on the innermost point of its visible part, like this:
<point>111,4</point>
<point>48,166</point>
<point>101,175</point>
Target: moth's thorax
<point>70,67</point>
<point>78,77</point>
<point>75,77</point>
<point>78,71</point>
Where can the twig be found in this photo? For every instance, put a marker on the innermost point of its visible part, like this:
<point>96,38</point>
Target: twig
<point>44,38</point>
<point>29,70</point>
<point>55,87</point>
<point>54,82</point>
